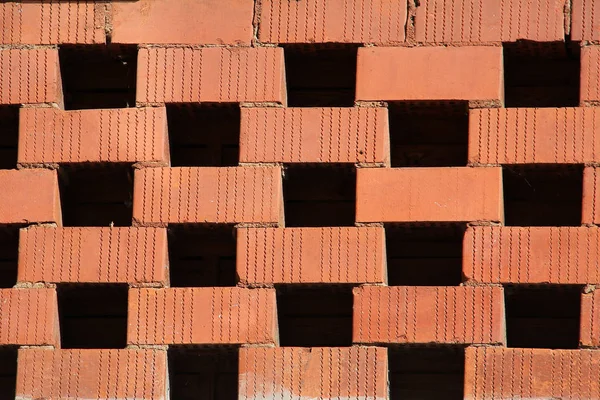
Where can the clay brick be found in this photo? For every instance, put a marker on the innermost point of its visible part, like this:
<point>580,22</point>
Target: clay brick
<point>532,255</point>
<point>30,76</point>
<point>436,73</point>
<point>590,213</point>
<point>52,22</point>
<point>501,373</point>
<point>313,373</point>
<point>29,196</point>
<point>207,195</point>
<point>92,374</point>
<point>589,332</point>
<point>312,135</point>
<point>225,315</point>
<point>213,74</point>
<point>590,75</point>
<point>49,135</point>
<point>429,195</point>
<point>534,135</point>
<point>361,21</point>
<point>94,255</point>
<point>428,314</point>
<point>29,317</point>
<point>311,255</point>
<point>184,21</point>
<point>585,20</point>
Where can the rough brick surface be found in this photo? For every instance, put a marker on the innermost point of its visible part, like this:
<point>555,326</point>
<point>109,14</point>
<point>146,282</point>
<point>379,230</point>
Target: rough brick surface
<point>92,374</point>
<point>94,255</point>
<point>585,20</point>
<point>429,195</point>
<point>589,332</point>
<point>420,314</point>
<point>202,316</point>
<point>590,75</point>
<point>591,196</point>
<point>313,135</point>
<point>311,255</point>
<point>326,373</point>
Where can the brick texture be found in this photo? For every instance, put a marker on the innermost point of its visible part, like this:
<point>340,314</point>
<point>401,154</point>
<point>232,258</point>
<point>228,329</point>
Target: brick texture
<point>590,75</point>
<point>585,20</point>
<point>589,332</point>
<point>591,196</point>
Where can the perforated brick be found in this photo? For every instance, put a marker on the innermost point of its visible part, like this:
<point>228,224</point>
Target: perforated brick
<point>589,331</point>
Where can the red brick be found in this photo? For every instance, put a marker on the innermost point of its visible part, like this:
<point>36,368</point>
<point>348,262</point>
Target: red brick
<point>436,73</point>
<point>29,196</point>
<point>590,75</point>
<point>49,135</point>
<point>591,196</point>
<point>501,373</point>
<point>213,315</point>
<point>313,135</point>
<point>421,314</point>
<point>311,255</point>
<point>360,21</point>
<point>213,74</point>
<point>429,195</point>
<point>589,332</point>
<point>93,255</point>
<point>532,255</point>
<point>92,374</point>
<point>29,317</point>
<point>30,76</point>
<point>313,373</point>
<point>219,195</point>
<point>585,20</point>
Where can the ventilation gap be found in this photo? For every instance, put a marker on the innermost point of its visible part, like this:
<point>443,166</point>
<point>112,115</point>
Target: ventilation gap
<point>545,316</point>
<point>92,316</point>
<point>8,372</point>
<point>204,135</point>
<point>543,195</point>
<point>9,254</point>
<point>98,76</point>
<point>320,75</point>
<point>9,136</point>
<point>428,133</point>
<point>316,195</point>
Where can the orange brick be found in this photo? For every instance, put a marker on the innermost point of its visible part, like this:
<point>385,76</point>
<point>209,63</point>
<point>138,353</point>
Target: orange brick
<point>532,255</point>
<point>30,76</point>
<point>313,135</point>
<point>29,317</point>
<point>29,196</point>
<point>590,75</point>
<point>313,373</point>
<point>429,195</point>
<point>501,373</point>
<point>207,195</point>
<point>95,255</point>
<point>49,135</point>
<point>213,74</point>
<point>311,255</point>
<point>422,314</point>
<point>590,213</point>
<point>92,374</point>
<point>585,20</point>
<point>589,332</point>
<point>202,316</point>
<point>436,73</point>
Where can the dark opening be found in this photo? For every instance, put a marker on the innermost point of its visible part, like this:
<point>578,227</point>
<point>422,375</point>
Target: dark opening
<point>429,134</point>
<point>92,316</point>
<point>8,373</point>
<point>203,373</point>
<point>202,255</point>
<point>426,373</point>
<point>204,135</point>
<point>9,136</point>
<point>9,254</point>
<point>98,76</point>
<point>319,195</point>
<point>545,316</point>
<point>316,316</point>
<point>546,195</point>
<point>424,255</point>
<point>96,194</point>
<point>320,75</point>
<point>541,74</point>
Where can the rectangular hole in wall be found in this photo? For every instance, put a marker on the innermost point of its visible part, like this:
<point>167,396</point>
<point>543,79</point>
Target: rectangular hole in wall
<point>9,136</point>
<point>9,254</point>
<point>8,372</point>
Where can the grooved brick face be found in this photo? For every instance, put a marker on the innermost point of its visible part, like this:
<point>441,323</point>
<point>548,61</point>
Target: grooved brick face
<point>590,75</point>
<point>585,20</point>
<point>591,196</point>
<point>589,332</point>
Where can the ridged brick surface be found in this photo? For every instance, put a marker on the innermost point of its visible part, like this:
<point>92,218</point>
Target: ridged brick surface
<point>585,17</point>
<point>532,255</point>
<point>590,75</point>
<point>422,314</point>
<point>29,317</point>
<point>311,255</point>
<point>94,255</point>
<point>590,213</point>
<point>219,195</point>
<point>49,135</point>
<point>589,332</point>
<point>214,74</point>
<point>312,135</point>
<point>313,373</point>
<point>202,316</point>
<point>92,374</point>
<point>500,373</point>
